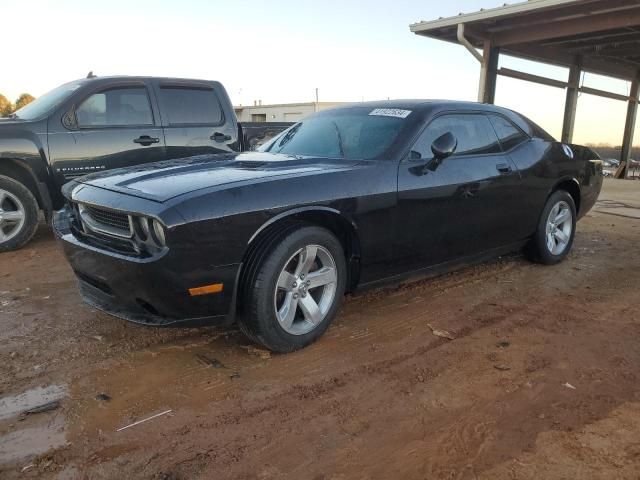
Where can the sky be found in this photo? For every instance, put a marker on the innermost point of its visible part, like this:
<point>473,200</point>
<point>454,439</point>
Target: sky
<point>280,51</point>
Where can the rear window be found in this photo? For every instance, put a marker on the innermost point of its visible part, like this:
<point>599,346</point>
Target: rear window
<point>190,106</point>
<point>509,135</point>
<point>531,128</point>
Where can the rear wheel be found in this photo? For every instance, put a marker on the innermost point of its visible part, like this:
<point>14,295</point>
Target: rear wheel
<point>18,214</point>
<point>556,230</point>
<point>296,291</point>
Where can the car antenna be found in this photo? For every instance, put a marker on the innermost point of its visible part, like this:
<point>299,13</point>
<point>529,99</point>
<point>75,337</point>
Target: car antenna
<point>91,75</point>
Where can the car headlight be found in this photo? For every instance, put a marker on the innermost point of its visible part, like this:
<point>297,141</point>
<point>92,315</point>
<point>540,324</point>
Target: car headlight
<point>150,232</point>
<point>158,230</point>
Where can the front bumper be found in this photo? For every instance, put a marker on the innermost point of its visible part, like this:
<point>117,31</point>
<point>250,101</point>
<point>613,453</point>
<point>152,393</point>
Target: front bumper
<point>150,291</point>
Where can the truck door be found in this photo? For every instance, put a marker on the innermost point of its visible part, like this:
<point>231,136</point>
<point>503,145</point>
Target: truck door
<point>113,126</point>
<point>194,118</point>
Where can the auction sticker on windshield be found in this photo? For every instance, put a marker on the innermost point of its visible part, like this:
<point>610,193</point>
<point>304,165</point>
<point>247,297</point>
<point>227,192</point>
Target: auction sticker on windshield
<point>390,112</point>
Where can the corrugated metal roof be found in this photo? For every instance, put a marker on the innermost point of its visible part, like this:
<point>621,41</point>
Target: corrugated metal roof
<point>604,35</point>
<point>505,11</point>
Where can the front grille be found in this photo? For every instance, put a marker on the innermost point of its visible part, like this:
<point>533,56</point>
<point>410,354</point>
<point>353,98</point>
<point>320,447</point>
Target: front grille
<point>108,217</point>
<point>108,222</point>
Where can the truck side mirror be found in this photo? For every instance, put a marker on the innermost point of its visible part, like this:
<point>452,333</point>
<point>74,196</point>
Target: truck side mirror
<point>69,119</point>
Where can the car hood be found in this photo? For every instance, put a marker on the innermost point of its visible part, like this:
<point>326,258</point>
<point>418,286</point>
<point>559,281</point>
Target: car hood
<point>162,181</point>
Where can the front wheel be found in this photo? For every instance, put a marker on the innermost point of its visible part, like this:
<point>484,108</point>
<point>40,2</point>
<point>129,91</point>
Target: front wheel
<point>296,291</point>
<point>556,230</point>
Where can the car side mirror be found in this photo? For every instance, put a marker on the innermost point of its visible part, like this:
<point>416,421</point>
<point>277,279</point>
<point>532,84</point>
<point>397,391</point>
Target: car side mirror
<point>444,146</point>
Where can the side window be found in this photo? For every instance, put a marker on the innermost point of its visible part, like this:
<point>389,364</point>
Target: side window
<point>190,106</point>
<point>474,133</point>
<point>116,107</point>
<point>509,135</point>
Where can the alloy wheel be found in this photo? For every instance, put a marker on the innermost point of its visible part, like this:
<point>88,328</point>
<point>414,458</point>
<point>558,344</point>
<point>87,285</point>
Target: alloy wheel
<point>559,228</point>
<point>305,289</point>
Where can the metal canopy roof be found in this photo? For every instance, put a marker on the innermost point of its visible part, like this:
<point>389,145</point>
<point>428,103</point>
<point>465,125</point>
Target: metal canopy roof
<point>602,35</point>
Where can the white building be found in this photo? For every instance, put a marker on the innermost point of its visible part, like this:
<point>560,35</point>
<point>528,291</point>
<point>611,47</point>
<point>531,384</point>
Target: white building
<point>284,112</point>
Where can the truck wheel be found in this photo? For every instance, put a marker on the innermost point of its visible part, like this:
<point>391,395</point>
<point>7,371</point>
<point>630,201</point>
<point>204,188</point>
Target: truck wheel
<point>556,229</point>
<point>296,291</point>
<point>18,214</point>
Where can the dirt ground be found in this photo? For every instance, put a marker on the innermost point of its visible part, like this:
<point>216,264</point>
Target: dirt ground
<point>541,378</point>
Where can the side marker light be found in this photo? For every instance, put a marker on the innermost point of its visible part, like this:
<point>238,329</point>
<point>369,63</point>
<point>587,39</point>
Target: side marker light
<point>206,289</point>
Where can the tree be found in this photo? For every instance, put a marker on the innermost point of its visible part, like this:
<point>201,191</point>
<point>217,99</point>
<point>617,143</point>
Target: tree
<point>23,100</point>
<point>5,106</point>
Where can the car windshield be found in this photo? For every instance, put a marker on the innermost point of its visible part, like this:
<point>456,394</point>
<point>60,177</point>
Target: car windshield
<point>47,102</point>
<point>353,133</point>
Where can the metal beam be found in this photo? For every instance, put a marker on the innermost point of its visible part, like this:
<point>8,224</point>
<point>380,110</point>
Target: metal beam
<point>571,103</point>
<point>604,93</point>
<point>528,77</point>
<point>491,57</point>
<point>629,128</point>
<point>566,28</point>
<point>619,53</point>
<point>550,82</point>
<point>603,46</point>
<point>557,56</point>
<point>594,38</point>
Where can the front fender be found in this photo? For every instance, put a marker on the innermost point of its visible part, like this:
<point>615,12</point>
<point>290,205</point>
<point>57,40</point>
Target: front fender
<point>291,213</point>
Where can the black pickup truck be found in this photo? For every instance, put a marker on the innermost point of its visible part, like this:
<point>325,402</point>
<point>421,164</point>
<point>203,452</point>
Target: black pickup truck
<point>100,123</point>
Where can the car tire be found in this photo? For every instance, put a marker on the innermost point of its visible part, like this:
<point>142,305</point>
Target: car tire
<point>556,230</point>
<point>18,214</point>
<point>293,293</point>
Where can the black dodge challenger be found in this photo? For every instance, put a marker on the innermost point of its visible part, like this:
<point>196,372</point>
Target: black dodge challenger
<point>349,198</point>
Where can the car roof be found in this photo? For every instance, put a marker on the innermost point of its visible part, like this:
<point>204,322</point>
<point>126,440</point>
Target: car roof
<point>425,108</point>
<point>426,104</point>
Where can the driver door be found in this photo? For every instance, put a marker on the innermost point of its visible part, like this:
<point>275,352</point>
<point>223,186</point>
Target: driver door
<point>461,206</point>
<point>115,126</point>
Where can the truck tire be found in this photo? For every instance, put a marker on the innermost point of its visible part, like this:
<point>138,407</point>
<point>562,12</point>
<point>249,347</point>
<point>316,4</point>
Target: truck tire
<point>296,290</point>
<point>18,214</point>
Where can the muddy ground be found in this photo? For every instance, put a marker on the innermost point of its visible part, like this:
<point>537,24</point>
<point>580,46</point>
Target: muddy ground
<point>541,379</point>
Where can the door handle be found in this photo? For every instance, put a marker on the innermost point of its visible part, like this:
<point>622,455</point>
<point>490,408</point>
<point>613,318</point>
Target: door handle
<point>146,140</point>
<point>220,137</point>
<point>503,168</point>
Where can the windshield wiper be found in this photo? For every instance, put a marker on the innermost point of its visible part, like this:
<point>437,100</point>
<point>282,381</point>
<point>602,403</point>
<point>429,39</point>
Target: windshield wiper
<point>339,139</point>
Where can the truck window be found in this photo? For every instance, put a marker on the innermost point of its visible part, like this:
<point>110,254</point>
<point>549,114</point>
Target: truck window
<point>116,107</point>
<point>190,106</point>
<point>47,102</point>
